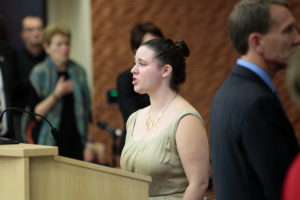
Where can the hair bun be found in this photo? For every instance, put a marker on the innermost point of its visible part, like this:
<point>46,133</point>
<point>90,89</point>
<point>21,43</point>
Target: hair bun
<point>183,48</point>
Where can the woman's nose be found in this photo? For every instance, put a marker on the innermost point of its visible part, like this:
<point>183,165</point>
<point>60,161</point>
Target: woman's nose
<point>133,69</point>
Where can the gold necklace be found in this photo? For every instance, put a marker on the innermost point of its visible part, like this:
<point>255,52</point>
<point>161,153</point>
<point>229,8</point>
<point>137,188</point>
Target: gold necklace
<point>151,122</point>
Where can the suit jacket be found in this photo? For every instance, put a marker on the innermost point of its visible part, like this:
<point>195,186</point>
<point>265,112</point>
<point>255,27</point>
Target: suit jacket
<point>129,101</point>
<point>24,92</point>
<point>252,140</point>
<point>7,65</point>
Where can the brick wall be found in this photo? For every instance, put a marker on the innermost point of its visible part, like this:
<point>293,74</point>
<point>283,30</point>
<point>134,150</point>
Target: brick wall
<point>202,24</point>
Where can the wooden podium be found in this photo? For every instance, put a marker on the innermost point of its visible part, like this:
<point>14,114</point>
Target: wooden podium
<point>35,172</point>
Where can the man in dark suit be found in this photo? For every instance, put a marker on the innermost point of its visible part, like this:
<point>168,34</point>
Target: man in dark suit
<point>252,140</point>
<point>32,54</point>
<point>26,58</point>
<point>129,101</point>
<point>7,64</point>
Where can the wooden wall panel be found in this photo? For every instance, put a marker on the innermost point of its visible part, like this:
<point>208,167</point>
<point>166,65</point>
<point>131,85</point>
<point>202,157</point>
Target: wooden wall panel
<point>202,24</point>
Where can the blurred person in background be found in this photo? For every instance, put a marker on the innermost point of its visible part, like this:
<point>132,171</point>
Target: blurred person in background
<point>7,83</point>
<point>7,87</point>
<point>62,87</point>
<point>252,140</point>
<point>32,54</point>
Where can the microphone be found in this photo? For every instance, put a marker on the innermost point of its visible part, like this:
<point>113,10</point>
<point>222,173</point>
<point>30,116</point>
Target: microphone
<point>112,131</point>
<point>54,131</point>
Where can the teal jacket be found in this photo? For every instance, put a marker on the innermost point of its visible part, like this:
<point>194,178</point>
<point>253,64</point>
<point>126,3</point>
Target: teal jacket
<point>43,78</point>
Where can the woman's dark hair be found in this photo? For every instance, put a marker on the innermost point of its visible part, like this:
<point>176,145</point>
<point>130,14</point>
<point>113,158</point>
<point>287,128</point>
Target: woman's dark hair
<point>172,53</point>
<point>139,31</point>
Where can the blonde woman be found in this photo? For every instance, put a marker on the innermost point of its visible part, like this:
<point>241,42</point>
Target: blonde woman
<point>65,99</point>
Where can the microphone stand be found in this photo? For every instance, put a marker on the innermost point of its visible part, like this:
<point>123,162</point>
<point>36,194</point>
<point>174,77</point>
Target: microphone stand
<point>112,131</point>
<point>54,131</point>
<point>114,137</point>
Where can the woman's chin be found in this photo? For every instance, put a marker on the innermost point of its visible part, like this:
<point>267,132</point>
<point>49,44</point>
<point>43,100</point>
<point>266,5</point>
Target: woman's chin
<point>138,90</point>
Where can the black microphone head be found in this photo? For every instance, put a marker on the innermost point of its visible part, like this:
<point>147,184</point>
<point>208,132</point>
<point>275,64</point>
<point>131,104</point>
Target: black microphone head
<point>101,124</point>
<point>106,127</point>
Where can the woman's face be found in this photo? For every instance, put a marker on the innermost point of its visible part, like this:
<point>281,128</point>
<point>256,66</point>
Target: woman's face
<point>147,73</point>
<point>59,49</point>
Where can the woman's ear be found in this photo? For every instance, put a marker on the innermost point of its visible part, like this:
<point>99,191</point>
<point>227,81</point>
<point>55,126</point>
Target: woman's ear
<point>167,70</point>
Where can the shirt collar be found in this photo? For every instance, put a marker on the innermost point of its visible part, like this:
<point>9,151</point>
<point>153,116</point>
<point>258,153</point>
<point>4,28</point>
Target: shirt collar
<point>258,71</point>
